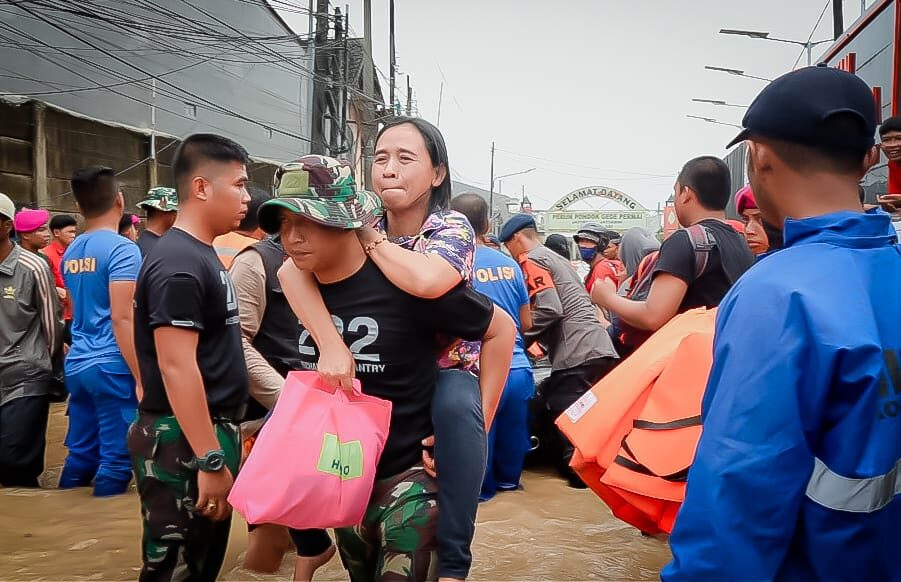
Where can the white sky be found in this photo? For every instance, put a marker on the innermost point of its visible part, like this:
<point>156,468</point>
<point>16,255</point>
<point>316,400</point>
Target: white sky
<point>588,92</point>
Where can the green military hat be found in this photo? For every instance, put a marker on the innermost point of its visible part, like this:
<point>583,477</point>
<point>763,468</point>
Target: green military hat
<point>160,198</point>
<point>323,190</point>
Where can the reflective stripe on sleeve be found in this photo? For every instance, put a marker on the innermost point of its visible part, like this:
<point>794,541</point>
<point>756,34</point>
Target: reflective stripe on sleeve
<point>867,495</point>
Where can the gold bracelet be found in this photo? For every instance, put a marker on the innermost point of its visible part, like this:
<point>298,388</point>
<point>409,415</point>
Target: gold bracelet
<point>370,246</point>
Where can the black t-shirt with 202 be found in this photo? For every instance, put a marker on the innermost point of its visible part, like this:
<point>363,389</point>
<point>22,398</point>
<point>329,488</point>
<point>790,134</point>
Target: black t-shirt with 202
<point>183,284</point>
<point>728,260</point>
<point>393,337</point>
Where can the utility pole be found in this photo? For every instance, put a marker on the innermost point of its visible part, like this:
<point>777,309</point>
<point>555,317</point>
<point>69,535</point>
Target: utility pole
<point>490,191</point>
<point>838,20</point>
<point>409,98</point>
<point>345,144</point>
<point>440,98</point>
<point>320,72</point>
<point>152,167</point>
<point>367,126</point>
<point>393,59</point>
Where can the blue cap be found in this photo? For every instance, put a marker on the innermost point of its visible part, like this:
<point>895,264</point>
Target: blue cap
<point>514,225</point>
<point>794,107</point>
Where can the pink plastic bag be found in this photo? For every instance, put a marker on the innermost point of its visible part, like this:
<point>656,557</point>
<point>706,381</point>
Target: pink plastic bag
<point>313,463</point>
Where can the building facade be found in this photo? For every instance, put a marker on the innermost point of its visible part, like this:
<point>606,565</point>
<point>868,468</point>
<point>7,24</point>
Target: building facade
<point>118,83</point>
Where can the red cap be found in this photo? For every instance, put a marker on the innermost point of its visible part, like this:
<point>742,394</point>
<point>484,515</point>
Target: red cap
<point>744,200</point>
<point>28,220</point>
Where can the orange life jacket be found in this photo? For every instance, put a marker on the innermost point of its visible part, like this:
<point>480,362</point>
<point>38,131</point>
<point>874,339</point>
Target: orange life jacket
<point>229,245</point>
<point>636,431</point>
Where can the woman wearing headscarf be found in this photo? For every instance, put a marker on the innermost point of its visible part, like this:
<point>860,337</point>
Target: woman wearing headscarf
<point>761,236</point>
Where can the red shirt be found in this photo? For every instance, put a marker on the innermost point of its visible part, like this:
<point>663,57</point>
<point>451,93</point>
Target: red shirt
<point>606,269</point>
<point>894,178</point>
<point>54,253</point>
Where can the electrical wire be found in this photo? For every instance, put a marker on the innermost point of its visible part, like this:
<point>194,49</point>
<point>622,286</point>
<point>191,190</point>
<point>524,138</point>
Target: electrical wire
<point>813,31</point>
<point>199,98</point>
<point>560,162</point>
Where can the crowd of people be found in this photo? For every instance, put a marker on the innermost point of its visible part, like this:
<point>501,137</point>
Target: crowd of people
<point>171,346</point>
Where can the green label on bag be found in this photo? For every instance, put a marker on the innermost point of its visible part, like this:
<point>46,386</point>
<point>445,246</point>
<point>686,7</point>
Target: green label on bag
<point>342,459</point>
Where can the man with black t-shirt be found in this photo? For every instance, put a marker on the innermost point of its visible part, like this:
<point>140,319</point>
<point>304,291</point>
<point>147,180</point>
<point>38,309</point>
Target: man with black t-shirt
<point>393,337</point>
<point>184,444</point>
<point>701,195</point>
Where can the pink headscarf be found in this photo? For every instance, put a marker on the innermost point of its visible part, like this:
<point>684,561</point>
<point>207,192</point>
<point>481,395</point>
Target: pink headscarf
<point>28,220</point>
<point>744,200</point>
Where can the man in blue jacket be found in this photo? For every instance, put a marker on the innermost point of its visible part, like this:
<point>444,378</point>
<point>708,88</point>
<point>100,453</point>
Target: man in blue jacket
<point>797,472</point>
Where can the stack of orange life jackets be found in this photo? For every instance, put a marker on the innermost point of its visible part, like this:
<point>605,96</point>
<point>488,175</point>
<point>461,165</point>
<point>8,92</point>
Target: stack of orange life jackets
<point>636,431</point>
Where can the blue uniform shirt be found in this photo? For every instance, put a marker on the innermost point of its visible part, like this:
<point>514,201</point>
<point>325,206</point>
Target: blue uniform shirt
<point>90,264</point>
<point>796,474</point>
<point>498,277</point>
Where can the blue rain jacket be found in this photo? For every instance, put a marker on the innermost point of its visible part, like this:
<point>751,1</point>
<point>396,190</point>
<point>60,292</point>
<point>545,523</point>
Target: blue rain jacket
<point>796,474</point>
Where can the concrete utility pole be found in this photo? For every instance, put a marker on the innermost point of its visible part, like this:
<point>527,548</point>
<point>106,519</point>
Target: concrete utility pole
<point>440,99</point>
<point>367,126</point>
<point>392,56</point>
<point>409,98</point>
<point>152,168</point>
<point>345,144</point>
<point>491,193</point>
<point>838,20</point>
<point>319,144</point>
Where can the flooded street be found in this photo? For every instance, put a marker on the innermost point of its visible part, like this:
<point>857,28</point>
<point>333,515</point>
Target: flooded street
<point>545,532</point>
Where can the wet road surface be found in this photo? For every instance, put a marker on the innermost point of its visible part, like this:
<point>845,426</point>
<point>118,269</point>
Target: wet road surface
<point>545,532</point>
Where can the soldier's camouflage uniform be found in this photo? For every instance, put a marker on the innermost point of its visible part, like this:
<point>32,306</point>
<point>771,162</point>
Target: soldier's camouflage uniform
<point>177,543</point>
<point>397,539</point>
<point>323,190</point>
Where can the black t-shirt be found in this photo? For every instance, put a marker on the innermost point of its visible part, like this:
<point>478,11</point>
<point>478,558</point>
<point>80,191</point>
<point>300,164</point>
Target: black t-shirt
<point>393,338</point>
<point>183,284</point>
<point>146,241</point>
<point>728,260</point>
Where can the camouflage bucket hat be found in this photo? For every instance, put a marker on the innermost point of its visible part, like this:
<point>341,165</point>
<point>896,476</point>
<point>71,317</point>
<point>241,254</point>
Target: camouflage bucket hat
<point>323,190</point>
<point>160,198</point>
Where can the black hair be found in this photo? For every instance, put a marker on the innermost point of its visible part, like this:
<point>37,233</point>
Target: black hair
<point>201,147</point>
<point>61,221</point>
<point>125,222</point>
<point>890,124</point>
<point>559,244</point>
<point>88,188</point>
<point>709,177</point>
<point>258,196</point>
<point>434,144</point>
<point>474,208</point>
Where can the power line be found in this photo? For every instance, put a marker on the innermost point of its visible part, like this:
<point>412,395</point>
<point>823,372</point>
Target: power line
<point>560,162</point>
<point>813,31</point>
<point>176,87</point>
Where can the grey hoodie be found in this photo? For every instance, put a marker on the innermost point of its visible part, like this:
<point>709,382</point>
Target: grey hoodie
<point>30,325</point>
<point>637,244</point>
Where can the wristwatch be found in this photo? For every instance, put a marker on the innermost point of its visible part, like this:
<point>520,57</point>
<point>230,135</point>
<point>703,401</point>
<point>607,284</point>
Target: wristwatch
<point>211,462</point>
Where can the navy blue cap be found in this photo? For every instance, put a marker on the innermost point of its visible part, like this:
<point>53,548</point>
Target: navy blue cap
<point>794,107</point>
<point>514,225</point>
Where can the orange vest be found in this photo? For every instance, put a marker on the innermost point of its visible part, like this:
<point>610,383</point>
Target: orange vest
<point>636,431</point>
<point>229,245</point>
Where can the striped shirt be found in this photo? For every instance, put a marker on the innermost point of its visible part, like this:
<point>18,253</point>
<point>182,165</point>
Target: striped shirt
<point>30,325</point>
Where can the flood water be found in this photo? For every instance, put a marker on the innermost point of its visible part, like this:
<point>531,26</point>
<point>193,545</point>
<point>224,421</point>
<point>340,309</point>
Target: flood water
<point>545,532</point>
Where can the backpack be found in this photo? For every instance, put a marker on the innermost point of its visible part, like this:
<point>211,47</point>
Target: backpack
<point>703,242</point>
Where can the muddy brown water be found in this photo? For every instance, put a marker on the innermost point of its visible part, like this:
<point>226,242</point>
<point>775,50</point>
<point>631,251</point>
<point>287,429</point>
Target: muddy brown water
<point>546,531</point>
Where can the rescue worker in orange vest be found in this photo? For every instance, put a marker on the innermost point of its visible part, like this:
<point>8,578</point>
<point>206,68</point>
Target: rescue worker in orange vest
<point>248,232</point>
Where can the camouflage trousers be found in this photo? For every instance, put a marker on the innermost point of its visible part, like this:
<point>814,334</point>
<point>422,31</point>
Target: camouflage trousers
<point>397,539</point>
<point>178,544</point>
